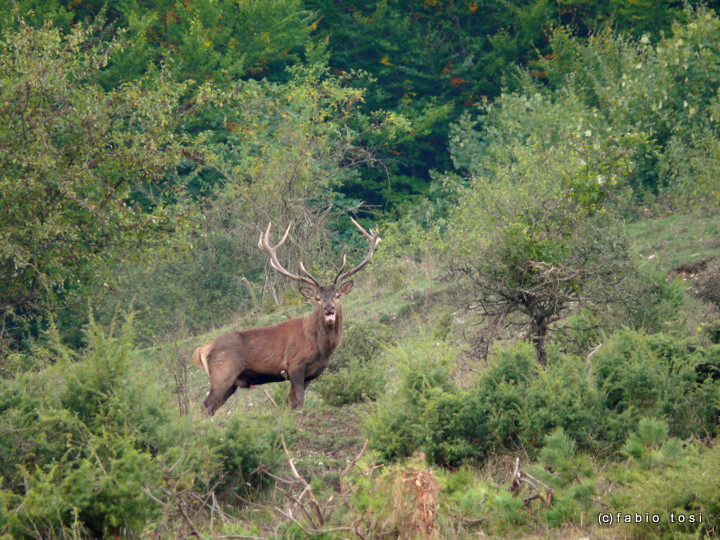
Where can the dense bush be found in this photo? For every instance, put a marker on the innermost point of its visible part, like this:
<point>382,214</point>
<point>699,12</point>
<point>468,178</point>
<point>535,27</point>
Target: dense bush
<point>70,186</point>
<point>664,90</point>
<point>356,372</point>
<point>517,403</point>
<point>356,382</point>
<point>658,376</point>
<point>89,448</point>
<point>426,412</point>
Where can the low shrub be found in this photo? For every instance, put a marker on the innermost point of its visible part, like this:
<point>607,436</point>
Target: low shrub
<point>657,376</point>
<point>427,412</point>
<point>88,448</point>
<point>243,449</point>
<point>598,402</point>
<point>675,482</point>
<point>356,382</point>
<point>356,372</point>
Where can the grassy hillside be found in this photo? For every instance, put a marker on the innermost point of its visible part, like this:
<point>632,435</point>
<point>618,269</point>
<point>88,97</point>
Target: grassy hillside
<point>678,240</point>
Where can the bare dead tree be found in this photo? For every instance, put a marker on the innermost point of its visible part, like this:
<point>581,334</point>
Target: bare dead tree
<point>543,292</point>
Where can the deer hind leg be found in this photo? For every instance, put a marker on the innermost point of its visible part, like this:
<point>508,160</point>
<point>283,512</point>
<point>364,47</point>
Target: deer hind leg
<point>217,397</point>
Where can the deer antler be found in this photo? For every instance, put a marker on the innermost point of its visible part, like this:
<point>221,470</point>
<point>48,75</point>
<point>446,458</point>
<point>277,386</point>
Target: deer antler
<point>264,244</point>
<point>374,240</point>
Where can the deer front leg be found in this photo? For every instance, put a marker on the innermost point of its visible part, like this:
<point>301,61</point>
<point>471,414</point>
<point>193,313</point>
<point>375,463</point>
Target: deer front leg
<point>297,389</point>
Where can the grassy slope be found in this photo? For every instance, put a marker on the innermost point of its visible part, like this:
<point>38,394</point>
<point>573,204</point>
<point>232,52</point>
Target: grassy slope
<point>676,240</point>
<point>324,438</point>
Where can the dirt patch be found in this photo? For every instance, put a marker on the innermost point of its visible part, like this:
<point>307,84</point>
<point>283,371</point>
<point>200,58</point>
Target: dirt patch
<point>326,439</point>
<point>705,279</point>
<point>691,269</point>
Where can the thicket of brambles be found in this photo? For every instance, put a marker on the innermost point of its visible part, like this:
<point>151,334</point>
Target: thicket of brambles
<point>509,153</point>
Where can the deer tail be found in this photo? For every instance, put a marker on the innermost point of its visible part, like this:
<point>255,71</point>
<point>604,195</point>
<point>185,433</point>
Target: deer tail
<point>200,359</point>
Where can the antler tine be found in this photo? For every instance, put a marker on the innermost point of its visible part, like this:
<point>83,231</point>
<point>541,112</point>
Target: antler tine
<point>374,240</point>
<point>264,244</point>
<point>362,230</point>
<point>302,267</point>
<point>344,264</point>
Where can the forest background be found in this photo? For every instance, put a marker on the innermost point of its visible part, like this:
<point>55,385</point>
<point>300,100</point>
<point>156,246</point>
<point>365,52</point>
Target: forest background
<point>534,346</point>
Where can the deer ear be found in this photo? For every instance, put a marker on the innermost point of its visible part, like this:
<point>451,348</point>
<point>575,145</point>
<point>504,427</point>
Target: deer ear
<point>308,293</point>
<point>345,288</point>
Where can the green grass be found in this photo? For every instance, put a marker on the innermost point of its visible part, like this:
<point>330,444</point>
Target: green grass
<point>676,240</point>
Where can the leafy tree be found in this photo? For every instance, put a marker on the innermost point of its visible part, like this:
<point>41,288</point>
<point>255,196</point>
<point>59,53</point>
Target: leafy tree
<point>531,230</point>
<point>74,159</point>
<point>431,61</point>
<point>666,91</point>
<point>210,40</point>
<point>427,62</point>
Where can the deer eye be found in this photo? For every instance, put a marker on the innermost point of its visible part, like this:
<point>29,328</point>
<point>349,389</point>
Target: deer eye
<point>317,298</point>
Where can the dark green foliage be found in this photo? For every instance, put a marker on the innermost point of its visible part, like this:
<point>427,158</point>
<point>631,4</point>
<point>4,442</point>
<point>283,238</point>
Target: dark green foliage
<point>425,413</point>
<point>243,449</point>
<point>355,382</point>
<point>658,376</point>
<point>516,404</point>
<point>560,456</point>
<point>202,40</point>
<point>569,472</point>
<point>650,447</point>
<point>430,60</point>
<point>713,331</point>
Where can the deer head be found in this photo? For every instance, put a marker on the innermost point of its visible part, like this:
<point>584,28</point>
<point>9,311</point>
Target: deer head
<point>326,296</point>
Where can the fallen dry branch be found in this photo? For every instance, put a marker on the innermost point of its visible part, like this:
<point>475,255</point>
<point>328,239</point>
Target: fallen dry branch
<point>303,508</point>
<point>347,469</point>
<point>308,489</point>
<point>543,491</point>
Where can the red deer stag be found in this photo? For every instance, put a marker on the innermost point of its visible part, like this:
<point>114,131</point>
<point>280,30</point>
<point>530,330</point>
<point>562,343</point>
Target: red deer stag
<point>298,350</point>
